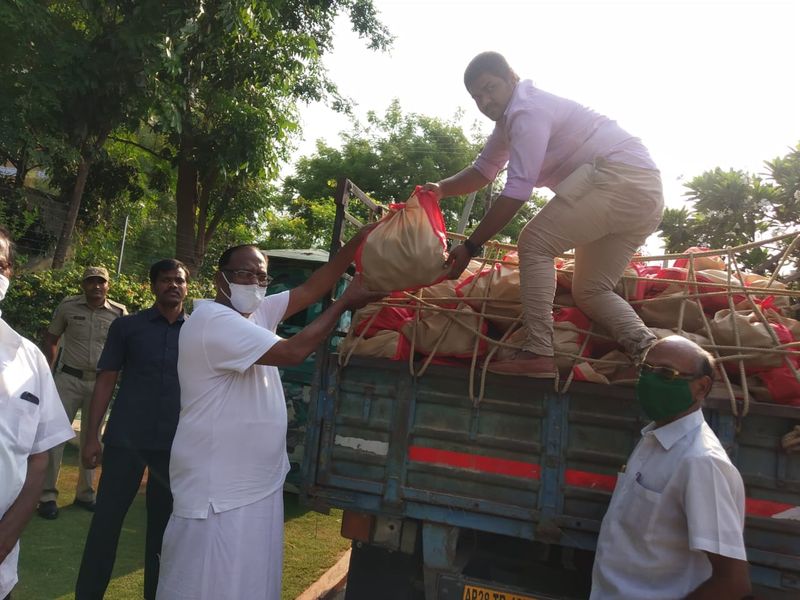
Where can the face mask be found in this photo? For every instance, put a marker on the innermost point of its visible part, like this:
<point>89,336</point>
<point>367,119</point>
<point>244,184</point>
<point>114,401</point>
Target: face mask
<point>663,398</point>
<point>4,282</point>
<point>245,298</point>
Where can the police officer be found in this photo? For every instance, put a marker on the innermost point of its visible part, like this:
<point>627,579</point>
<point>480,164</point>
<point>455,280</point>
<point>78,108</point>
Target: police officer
<point>81,323</point>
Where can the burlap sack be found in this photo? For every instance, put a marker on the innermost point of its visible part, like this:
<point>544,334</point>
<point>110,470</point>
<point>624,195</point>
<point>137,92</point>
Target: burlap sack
<point>497,287</point>
<point>375,318</point>
<point>752,333</point>
<point>701,262</point>
<point>447,288</point>
<point>781,303</point>
<point>698,338</point>
<point>663,311</point>
<point>406,250</point>
<point>436,332</point>
<point>384,344</point>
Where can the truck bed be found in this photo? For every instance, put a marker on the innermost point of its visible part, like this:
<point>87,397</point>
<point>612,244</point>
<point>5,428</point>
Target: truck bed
<point>527,462</point>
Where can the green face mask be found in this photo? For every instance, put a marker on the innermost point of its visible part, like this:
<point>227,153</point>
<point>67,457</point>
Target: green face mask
<point>663,398</point>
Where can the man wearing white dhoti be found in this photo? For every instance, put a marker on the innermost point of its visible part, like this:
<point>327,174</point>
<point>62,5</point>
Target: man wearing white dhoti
<point>228,461</point>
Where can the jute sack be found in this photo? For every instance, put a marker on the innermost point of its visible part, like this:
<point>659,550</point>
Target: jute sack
<point>384,344</point>
<point>497,287</point>
<point>664,311</point>
<point>406,250</point>
<point>447,288</point>
<point>437,332</point>
<point>701,262</point>
<point>375,318</point>
<point>752,334</point>
<point>781,303</point>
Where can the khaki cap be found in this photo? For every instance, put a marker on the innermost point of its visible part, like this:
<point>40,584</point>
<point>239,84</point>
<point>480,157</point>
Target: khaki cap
<point>95,272</point>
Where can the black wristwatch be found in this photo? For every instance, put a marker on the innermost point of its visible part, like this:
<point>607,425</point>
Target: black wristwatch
<point>472,248</point>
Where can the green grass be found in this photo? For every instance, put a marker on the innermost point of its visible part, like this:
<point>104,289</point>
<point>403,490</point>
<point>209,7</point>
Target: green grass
<point>51,550</point>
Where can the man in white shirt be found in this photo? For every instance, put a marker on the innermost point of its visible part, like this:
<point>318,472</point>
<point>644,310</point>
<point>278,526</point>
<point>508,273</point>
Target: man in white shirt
<point>228,460</point>
<point>674,527</point>
<point>32,421</point>
<point>608,201</point>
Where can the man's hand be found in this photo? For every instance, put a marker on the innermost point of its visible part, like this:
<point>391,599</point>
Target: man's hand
<point>457,261</point>
<point>357,295</point>
<point>91,453</point>
<point>435,188</point>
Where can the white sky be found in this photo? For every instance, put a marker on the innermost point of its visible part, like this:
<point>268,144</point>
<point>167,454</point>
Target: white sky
<point>713,83</point>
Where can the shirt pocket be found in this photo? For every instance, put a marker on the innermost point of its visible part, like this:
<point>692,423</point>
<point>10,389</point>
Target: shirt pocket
<point>639,510</point>
<point>19,420</point>
<point>79,328</point>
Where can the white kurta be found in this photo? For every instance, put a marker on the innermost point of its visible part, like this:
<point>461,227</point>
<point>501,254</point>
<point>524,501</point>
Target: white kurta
<point>680,497</point>
<point>32,420</point>
<point>228,460</point>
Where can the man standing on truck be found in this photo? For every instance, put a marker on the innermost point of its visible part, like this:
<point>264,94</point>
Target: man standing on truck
<point>228,462</point>
<point>674,527</point>
<point>608,201</point>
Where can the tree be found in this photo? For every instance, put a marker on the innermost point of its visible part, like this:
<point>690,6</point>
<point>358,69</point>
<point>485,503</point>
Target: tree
<point>78,70</point>
<point>225,95</point>
<point>731,208</point>
<point>385,158</point>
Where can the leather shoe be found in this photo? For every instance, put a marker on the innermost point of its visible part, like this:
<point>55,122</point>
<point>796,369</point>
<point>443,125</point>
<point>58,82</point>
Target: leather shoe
<point>85,504</point>
<point>48,510</point>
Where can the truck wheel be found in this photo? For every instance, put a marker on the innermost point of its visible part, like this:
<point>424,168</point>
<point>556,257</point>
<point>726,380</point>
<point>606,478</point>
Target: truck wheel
<point>378,573</point>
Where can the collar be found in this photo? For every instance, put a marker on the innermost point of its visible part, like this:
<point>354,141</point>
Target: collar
<point>153,314</point>
<point>514,95</point>
<point>82,300</point>
<point>667,435</point>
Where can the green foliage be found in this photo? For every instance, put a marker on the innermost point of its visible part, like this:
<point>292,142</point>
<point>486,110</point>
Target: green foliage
<point>386,158</point>
<point>732,208</point>
<point>32,297</point>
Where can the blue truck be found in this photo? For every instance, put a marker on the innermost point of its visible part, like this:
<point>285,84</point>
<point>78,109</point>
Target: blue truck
<point>448,500</point>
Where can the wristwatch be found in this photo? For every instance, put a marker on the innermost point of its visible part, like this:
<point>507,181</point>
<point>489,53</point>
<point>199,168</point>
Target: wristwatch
<point>472,248</point>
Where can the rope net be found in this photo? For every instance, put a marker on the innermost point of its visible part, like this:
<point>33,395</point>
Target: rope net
<point>745,320</point>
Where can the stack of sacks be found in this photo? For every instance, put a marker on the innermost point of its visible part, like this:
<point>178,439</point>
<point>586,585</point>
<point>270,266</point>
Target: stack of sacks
<point>375,332</point>
<point>569,333</point>
<point>495,292</point>
<point>395,325</point>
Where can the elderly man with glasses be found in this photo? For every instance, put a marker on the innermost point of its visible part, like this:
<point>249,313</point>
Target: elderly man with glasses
<point>228,460</point>
<point>674,527</point>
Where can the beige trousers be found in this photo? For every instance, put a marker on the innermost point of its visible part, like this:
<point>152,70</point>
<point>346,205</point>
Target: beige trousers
<point>75,394</point>
<point>605,211</point>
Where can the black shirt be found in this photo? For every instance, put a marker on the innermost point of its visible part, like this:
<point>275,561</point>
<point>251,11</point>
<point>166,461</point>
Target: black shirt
<point>145,412</point>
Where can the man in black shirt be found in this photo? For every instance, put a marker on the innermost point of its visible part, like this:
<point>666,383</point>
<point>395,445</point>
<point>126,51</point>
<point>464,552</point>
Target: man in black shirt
<point>140,429</point>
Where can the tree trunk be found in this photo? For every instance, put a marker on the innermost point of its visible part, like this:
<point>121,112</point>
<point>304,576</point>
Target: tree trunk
<point>64,239</point>
<point>186,203</point>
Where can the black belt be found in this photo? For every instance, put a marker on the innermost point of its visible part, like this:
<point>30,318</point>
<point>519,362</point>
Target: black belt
<point>77,372</point>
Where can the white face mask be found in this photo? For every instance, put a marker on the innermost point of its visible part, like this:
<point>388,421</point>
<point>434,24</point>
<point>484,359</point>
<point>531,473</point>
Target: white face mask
<point>4,282</point>
<point>245,298</point>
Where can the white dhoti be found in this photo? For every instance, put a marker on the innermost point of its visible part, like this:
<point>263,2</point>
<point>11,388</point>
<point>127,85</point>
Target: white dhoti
<point>236,554</point>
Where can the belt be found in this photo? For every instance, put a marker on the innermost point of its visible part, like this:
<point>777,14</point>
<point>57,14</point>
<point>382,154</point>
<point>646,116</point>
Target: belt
<point>88,375</point>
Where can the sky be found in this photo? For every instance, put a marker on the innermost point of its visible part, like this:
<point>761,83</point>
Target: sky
<point>704,84</point>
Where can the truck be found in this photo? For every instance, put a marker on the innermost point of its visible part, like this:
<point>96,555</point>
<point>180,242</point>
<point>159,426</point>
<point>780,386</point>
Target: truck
<point>288,268</point>
<point>448,499</point>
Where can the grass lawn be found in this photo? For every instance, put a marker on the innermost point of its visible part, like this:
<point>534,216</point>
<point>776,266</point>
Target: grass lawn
<point>51,550</point>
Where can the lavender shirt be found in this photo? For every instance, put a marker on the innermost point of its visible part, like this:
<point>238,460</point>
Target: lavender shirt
<point>544,138</point>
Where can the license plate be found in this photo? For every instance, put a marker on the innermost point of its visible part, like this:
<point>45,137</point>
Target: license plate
<point>472,592</point>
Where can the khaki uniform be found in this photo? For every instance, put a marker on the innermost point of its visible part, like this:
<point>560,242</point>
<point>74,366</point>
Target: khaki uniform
<point>83,332</point>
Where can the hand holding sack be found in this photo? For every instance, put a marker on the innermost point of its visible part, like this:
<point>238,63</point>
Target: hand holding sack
<point>406,250</point>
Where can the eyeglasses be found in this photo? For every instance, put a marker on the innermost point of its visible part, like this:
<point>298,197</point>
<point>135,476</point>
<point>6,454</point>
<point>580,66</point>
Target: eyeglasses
<point>666,373</point>
<point>252,277</point>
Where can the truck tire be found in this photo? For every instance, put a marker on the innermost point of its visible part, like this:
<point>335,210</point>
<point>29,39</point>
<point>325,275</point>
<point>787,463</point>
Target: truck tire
<point>378,573</point>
